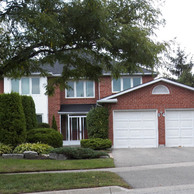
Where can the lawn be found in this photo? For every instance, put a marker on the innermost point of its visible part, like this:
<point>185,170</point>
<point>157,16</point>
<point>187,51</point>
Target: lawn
<point>22,165</point>
<point>21,183</point>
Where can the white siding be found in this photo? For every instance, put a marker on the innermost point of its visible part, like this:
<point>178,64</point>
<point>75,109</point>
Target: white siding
<point>40,100</point>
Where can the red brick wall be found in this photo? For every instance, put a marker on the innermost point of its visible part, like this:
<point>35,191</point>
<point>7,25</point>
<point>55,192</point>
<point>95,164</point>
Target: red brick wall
<point>105,86</point>
<point>144,99</point>
<point>147,78</point>
<point>54,103</point>
<point>1,86</point>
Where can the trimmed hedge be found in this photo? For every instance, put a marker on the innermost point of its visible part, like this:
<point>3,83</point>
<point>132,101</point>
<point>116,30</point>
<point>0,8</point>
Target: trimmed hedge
<point>78,153</point>
<point>43,125</point>
<point>97,123</point>
<point>45,135</point>
<point>37,147</point>
<point>96,143</point>
<point>29,112</point>
<point>5,149</point>
<point>12,120</point>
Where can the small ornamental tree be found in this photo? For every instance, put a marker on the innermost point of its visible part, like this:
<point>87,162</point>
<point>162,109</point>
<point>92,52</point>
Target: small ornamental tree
<point>54,124</point>
<point>97,123</point>
<point>12,120</point>
<point>29,112</point>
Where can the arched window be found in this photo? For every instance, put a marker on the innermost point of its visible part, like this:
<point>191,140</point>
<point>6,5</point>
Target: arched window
<point>160,89</point>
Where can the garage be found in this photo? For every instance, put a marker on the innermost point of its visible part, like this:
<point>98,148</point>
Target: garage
<point>135,129</point>
<point>179,126</point>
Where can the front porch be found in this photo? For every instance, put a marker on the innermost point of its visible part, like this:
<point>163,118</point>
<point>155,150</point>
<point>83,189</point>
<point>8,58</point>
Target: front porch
<point>73,123</point>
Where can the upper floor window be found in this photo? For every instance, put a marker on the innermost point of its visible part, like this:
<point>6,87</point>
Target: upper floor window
<point>160,89</point>
<point>80,89</point>
<point>124,83</point>
<point>26,85</point>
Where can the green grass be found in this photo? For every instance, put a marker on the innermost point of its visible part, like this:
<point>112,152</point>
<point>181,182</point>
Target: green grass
<point>22,165</point>
<point>21,183</point>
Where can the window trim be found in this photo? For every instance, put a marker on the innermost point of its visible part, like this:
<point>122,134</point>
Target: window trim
<point>84,86</point>
<point>30,86</point>
<point>131,77</point>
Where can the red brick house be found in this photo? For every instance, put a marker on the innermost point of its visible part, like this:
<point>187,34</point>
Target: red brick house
<point>143,112</point>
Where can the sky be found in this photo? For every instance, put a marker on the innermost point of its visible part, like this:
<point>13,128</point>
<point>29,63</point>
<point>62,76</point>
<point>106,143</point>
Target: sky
<point>179,16</point>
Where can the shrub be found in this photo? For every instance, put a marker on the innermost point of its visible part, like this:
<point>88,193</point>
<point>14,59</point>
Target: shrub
<point>5,149</point>
<point>37,147</point>
<point>43,125</point>
<point>96,143</point>
<point>45,135</point>
<point>78,153</point>
<point>97,123</point>
<point>12,120</point>
<point>54,124</point>
<point>29,112</point>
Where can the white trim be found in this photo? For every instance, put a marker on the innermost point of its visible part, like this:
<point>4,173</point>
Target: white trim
<point>160,90</point>
<point>107,101</point>
<point>103,100</point>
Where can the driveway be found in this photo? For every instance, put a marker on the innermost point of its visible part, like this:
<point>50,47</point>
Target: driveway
<point>151,156</point>
<point>156,168</point>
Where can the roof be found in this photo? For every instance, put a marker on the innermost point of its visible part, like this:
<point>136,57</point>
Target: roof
<point>75,108</point>
<point>111,98</point>
<point>57,69</point>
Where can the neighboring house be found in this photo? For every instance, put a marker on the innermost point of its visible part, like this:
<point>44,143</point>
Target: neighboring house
<point>143,112</point>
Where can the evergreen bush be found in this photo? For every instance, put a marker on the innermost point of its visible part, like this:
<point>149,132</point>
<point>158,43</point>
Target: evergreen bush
<point>78,153</point>
<point>29,112</point>
<point>96,143</point>
<point>97,123</point>
<point>12,120</point>
<point>43,125</point>
<point>45,135</point>
<point>54,124</point>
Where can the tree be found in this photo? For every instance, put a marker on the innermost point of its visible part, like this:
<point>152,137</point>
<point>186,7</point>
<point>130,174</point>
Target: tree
<point>54,124</point>
<point>29,112</point>
<point>84,35</point>
<point>181,67</point>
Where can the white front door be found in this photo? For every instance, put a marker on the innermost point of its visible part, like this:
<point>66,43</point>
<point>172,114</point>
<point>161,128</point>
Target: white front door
<point>75,130</point>
<point>179,128</point>
<point>135,129</point>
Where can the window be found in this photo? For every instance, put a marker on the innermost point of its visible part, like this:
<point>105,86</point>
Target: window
<point>80,89</point>
<point>35,86</point>
<point>160,89</point>
<point>15,85</point>
<point>39,118</point>
<point>124,83</point>
<point>26,86</point>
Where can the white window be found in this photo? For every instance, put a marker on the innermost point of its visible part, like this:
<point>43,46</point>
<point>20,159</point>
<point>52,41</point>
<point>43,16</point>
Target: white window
<point>26,86</point>
<point>81,89</point>
<point>124,83</point>
<point>160,89</point>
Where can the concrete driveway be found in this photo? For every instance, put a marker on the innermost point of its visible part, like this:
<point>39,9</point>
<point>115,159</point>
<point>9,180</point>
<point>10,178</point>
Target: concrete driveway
<point>152,156</point>
<point>156,168</point>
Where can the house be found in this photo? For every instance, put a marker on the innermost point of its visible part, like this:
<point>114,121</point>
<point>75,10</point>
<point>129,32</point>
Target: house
<point>144,112</point>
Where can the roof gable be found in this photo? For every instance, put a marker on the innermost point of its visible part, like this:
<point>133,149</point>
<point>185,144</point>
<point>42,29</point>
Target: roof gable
<point>110,99</point>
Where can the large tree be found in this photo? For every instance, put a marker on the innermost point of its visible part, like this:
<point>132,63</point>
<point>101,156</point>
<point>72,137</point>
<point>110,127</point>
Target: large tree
<point>87,36</point>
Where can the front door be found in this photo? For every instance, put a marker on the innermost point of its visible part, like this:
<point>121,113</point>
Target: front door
<point>75,129</point>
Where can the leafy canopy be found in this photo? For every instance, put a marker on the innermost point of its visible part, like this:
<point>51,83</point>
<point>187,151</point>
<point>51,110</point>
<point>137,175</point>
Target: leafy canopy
<point>84,35</point>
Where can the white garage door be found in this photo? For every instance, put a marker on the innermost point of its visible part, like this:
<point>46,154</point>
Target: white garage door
<point>135,129</point>
<point>179,128</point>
